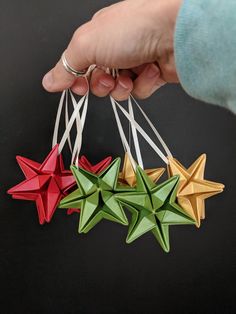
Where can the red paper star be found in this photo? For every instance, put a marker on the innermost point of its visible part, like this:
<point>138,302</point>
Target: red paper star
<point>96,169</point>
<point>45,183</point>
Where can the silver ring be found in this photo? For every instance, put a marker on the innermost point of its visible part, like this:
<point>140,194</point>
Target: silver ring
<point>69,69</point>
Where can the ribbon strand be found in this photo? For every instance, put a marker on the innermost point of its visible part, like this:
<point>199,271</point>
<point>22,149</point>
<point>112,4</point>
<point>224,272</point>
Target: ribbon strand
<point>142,132</point>
<point>165,147</point>
<point>122,134</point>
<point>135,136</point>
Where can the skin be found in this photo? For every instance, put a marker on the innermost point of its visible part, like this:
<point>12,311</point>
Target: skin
<point>135,36</point>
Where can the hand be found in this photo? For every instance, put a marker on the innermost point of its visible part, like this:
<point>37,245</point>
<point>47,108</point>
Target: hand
<point>135,36</point>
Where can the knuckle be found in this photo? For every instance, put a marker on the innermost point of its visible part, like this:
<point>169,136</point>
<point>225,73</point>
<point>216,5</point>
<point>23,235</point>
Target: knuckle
<point>82,32</point>
<point>169,71</point>
<point>78,35</point>
<point>99,13</point>
<point>81,40</point>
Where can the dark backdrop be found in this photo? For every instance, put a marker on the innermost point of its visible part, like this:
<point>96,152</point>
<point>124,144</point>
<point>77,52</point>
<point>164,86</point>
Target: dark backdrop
<point>50,268</point>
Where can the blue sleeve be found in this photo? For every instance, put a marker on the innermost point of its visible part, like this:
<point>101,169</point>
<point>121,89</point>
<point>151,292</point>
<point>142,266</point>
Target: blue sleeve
<point>205,50</point>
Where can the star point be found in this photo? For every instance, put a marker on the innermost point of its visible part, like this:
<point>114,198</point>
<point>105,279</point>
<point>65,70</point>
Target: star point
<point>193,189</point>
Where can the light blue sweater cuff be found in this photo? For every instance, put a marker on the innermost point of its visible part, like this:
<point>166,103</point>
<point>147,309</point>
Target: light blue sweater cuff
<point>205,50</point>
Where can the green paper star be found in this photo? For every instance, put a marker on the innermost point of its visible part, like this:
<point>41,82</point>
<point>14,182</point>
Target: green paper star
<point>95,197</point>
<point>153,208</point>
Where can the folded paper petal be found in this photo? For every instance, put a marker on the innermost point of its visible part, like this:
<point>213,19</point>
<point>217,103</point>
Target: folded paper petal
<point>85,164</point>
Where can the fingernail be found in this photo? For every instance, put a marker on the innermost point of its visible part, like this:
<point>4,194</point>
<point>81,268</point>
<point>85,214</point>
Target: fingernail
<point>105,83</point>
<point>48,80</point>
<point>152,71</point>
<point>80,90</point>
<point>122,85</point>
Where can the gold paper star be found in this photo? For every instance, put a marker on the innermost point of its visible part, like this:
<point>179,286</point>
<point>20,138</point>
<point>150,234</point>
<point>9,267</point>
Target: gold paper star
<point>128,176</point>
<point>193,189</point>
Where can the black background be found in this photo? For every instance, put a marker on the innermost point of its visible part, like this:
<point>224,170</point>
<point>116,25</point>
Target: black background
<point>50,268</point>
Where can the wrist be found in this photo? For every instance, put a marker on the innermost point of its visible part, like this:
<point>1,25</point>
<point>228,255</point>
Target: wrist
<point>165,50</point>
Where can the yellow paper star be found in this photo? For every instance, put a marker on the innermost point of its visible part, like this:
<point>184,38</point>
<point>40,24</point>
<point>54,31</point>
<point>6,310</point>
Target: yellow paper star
<point>193,189</point>
<point>128,176</point>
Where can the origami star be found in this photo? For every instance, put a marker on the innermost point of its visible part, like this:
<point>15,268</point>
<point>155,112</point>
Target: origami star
<point>128,176</point>
<point>153,209</point>
<point>193,189</point>
<point>95,197</point>
<point>45,183</point>
<point>96,169</point>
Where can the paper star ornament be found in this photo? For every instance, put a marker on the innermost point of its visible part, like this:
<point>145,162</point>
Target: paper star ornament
<point>95,197</point>
<point>193,189</point>
<point>128,175</point>
<point>96,169</point>
<point>45,183</point>
<point>153,208</point>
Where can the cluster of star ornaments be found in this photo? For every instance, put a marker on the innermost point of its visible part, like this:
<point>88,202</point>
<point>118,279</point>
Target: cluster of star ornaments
<point>102,191</point>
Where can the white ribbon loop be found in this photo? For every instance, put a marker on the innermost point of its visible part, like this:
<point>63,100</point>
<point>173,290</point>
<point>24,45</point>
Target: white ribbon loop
<point>73,117</point>
<point>165,147</point>
<point>122,134</point>
<point>80,127</point>
<point>80,120</point>
<point>58,117</point>
<point>141,131</point>
<point>135,135</point>
<point>67,120</point>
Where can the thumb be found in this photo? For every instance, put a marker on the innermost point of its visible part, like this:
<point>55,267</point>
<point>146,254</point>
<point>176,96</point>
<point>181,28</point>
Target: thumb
<point>77,53</point>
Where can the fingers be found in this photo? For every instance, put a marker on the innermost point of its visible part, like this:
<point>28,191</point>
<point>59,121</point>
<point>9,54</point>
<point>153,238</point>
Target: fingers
<point>123,87</point>
<point>80,86</point>
<point>101,83</point>
<point>77,57</point>
<point>58,79</point>
<point>168,69</point>
<point>148,82</point>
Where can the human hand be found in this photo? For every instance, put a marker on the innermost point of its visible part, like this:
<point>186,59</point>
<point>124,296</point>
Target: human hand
<point>135,36</point>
